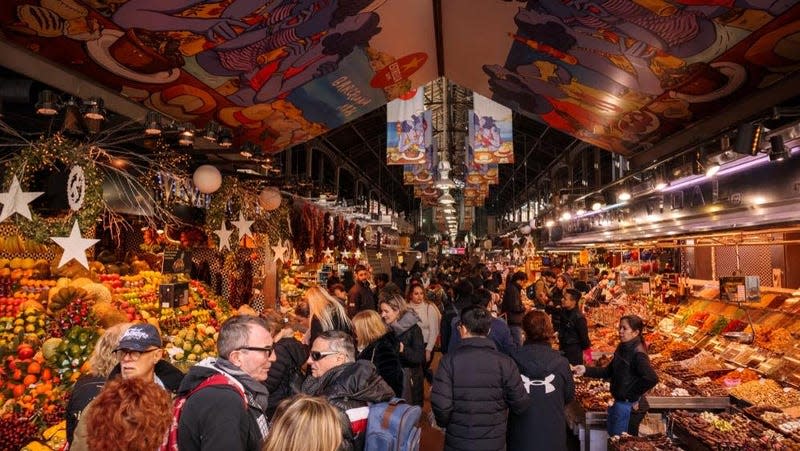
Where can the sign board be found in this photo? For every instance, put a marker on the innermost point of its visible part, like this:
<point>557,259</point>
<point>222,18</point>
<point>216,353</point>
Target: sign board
<point>173,295</point>
<point>176,261</point>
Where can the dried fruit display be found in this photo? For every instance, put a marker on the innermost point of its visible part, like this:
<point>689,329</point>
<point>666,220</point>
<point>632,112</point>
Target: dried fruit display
<point>729,431</point>
<point>736,377</point>
<point>766,392</point>
<point>593,394</point>
<point>655,442</point>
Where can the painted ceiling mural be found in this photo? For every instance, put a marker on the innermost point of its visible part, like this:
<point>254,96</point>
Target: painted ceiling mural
<point>277,72</point>
<point>618,73</point>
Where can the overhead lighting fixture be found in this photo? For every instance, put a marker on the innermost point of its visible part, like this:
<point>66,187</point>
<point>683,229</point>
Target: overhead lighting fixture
<point>225,138</point>
<point>152,124</point>
<point>94,109</point>
<point>660,179</point>
<point>47,104</point>
<point>748,139</point>
<point>778,151</point>
<point>624,194</point>
<point>212,131</point>
<point>247,150</point>
<point>566,216</point>
<point>549,223</point>
<point>186,134</point>
<point>712,169</point>
<point>447,199</point>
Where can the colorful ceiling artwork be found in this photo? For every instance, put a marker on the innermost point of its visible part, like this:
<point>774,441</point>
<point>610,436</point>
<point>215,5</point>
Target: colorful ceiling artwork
<point>620,74</point>
<point>277,72</point>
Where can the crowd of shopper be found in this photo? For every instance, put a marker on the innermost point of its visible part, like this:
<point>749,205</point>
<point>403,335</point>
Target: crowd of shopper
<point>503,380</point>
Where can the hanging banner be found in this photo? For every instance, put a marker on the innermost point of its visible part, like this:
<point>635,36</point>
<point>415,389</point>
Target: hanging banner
<point>422,174</point>
<point>490,131</point>
<point>480,173</point>
<point>408,130</point>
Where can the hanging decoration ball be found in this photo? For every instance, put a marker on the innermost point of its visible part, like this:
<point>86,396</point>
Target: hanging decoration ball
<point>526,229</point>
<point>269,199</point>
<point>207,179</point>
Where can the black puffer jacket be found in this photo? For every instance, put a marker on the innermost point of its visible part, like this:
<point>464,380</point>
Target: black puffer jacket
<point>573,335</point>
<point>290,355</point>
<point>412,357</point>
<point>473,390</point>
<point>384,355</point>
<point>350,386</point>
<point>630,371</point>
<point>550,386</point>
<point>360,297</point>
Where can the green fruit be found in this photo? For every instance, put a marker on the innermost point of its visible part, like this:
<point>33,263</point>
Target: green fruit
<point>74,351</point>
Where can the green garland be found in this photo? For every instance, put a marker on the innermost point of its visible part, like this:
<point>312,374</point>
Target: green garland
<point>44,154</point>
<point>244,197</point>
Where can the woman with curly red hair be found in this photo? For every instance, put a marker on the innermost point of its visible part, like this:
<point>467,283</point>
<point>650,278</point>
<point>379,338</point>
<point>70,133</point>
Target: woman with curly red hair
<point>131,414</point>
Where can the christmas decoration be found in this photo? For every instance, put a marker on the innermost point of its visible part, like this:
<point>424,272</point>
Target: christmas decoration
<point>279,252</point>
<point>76,188</point>
<point>207,179</point>
<point>328,253</point>
<point>357,254</point>
<point>379,255</point>
<point>515,240</point>
<point>346,255</point>
<point>269,199</point>
<point>243,226</point>
<point>74,246</point>
<point>16,201</point>
<point>224,237</point>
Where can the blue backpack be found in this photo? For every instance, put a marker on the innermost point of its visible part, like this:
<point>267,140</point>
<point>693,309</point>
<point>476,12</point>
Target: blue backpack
<point>392,426</point>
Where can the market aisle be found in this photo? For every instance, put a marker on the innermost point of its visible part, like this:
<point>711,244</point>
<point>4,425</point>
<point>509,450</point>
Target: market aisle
<point>432,438</point>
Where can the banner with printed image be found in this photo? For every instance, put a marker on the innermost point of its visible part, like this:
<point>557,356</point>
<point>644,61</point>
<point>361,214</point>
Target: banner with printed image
<point>491,132</point>
<point>422,174</point>
<point>408,130</point>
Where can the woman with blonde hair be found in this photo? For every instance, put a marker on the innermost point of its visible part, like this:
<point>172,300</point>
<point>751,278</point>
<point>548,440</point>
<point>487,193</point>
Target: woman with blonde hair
<point>133,414</point>
<point>379,345</point>
<point>403,322</point>
<point>101,362</point>
<point>305,423</point>
<point>326,313</point>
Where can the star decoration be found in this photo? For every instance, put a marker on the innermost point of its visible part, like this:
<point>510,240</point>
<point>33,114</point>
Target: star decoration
<point>224,237</point>
<point>243,226</point>
<point>515,240</point>
<point>74,246</point>
<point>16,201</point>
<point>357,255</point>
<point>328,253</point>
<point>529,240</point>
<point>346,254</point>
<point>379,255</point>
<point>278,252</point>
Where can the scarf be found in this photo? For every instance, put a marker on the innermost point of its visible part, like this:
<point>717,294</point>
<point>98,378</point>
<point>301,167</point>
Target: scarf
<point>257,394</point>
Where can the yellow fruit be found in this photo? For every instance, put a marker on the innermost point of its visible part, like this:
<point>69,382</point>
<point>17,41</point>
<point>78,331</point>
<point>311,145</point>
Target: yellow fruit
<point>28,263</point>
<point>16,263</point>
<point>4,262</point>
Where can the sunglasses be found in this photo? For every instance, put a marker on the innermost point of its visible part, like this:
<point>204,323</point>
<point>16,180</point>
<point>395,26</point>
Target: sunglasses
<point>267,350</point>
<point>319,355</point>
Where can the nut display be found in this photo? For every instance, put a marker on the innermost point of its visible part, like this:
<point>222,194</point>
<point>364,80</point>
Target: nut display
<point>727,431</point>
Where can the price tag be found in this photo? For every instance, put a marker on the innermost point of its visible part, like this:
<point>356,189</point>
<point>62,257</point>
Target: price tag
<point>646,288</point>
<point>740,293</point>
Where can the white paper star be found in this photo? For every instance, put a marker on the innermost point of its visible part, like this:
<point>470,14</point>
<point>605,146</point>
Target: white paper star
<point>379,255</point>
<point>529,240</point>
<point>16,201</point>
<point>515,240</point>
<point>346,254</point>
<point>278,252</point>
<point>74,246</point>
<point>224,237</point>
<point>243,226</point>
<point>328,252</point>
<point>357,255</point>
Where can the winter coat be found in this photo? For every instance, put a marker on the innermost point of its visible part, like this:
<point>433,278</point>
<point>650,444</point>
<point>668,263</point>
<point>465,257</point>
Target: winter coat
<point>512,305</point>
<point>215,418</point>
<point>429,319</point>
<point>360,297</point>
<point>412,356</point>
<point>573,335</point>
<point>473,390</point>
<point>499,333</point>
<point>290,355</point>
<point>548,380</point>
<point>351,387</point>
<point>383,353</point>
<point>630,371</point>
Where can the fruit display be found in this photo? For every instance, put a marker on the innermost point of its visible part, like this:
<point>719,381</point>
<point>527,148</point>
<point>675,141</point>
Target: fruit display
<point>68,355</point>
<point>766,392</point>
<point>193,344</point>
<point>725,431</point>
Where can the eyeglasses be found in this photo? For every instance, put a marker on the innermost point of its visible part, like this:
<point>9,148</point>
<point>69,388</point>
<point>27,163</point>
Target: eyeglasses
<point>134,355</point>
<point>319,355</point>
<point>267,350</point>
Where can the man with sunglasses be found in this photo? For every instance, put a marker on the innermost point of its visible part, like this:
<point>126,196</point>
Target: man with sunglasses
<point>348,384</point>
<point>230,415</point>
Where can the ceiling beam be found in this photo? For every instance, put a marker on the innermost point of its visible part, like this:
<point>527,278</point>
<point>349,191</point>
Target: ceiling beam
<point>732,115</point>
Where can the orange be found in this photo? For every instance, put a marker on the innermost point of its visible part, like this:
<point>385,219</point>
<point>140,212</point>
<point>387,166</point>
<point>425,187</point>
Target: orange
<point>29,380</point>
<point>18,390</point>
<point>46,374</point>
<point>34,368</point>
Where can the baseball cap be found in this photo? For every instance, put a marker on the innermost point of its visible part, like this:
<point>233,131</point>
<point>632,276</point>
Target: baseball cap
<point>140,337</point>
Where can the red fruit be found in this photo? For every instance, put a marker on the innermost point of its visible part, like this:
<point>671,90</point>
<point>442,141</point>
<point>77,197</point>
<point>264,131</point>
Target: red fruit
<point>25,351</point>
